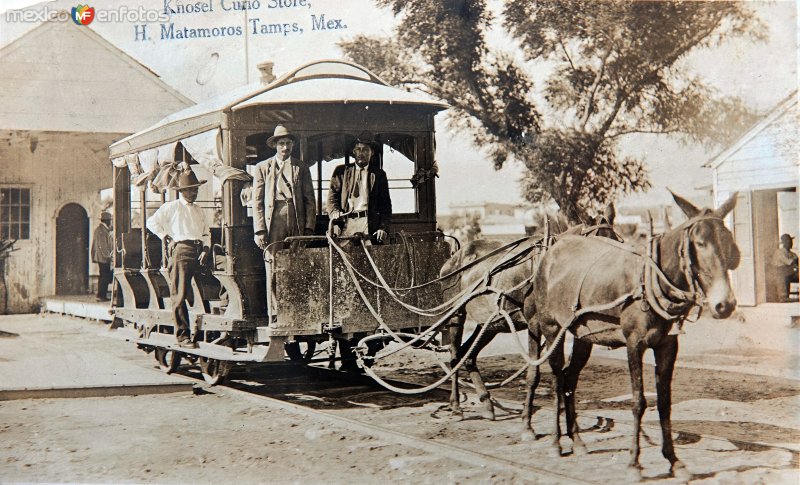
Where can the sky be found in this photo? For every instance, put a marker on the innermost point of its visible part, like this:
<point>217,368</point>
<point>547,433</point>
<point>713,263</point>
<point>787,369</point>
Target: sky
<point>762,73</point>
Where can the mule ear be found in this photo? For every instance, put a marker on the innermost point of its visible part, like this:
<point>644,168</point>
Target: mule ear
<point>610,213</point>
<point>687,207</point>
<point>726,206</point>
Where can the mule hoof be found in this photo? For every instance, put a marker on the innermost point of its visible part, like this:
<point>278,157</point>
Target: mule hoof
<point>579,449</point>
<point>680,472</point>
<point>555,451</point>
<point>487,414</point>
<point>634,473</point>
<point>528,435</point>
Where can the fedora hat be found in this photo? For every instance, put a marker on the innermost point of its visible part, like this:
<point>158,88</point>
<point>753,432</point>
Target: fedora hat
<point>280,132</point>
<point>187,180</point>
<point>105,216</point>
<point>366,138</point>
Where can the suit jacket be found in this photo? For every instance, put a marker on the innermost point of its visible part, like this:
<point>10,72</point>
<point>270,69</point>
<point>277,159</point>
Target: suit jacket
<point>102,244</point>
<point>302,196</point>
<point>379,204</point>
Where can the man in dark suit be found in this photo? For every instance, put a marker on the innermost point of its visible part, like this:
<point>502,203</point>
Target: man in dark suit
<point>359,193</point>
<point>359,198</point>
<point>784,267</point>
<point>102,252</point>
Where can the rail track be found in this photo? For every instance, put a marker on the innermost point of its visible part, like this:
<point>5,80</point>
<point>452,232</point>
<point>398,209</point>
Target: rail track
<point>356,404</point>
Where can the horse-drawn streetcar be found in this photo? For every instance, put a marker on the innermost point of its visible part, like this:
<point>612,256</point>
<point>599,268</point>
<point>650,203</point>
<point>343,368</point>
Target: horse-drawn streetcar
<point>326,105</point>
<point>602,291</point>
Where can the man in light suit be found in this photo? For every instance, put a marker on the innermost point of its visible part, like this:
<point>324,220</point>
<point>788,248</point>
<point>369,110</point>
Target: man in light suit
<point>283,200</point>
<point>283,196</point>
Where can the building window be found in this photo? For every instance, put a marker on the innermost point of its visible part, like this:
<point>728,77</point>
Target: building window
<point>15,213</point>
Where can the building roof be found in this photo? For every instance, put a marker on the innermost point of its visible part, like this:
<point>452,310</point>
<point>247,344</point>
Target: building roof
<point>63,77</point>
<point>781,109</point>
<point>324,81</point>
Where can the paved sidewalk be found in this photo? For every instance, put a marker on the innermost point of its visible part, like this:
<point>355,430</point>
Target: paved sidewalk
<point>54,352</point>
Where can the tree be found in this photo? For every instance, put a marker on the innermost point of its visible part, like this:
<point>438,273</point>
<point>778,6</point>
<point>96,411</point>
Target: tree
<point>612,69</point>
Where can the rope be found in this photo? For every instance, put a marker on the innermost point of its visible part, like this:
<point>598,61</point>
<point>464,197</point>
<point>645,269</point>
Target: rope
<point>455,369</point>
<point>437,310</point>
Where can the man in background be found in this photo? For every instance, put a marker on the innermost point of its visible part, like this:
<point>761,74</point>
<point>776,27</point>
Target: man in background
<point>784,265</point>
<point>102,254</point>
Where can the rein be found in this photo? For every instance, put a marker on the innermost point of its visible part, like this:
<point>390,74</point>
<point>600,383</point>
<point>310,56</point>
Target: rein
<point>674,304</point>
<point>656,291</point>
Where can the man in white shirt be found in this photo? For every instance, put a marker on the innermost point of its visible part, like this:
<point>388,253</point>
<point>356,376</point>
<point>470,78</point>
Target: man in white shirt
<point>182,226</point>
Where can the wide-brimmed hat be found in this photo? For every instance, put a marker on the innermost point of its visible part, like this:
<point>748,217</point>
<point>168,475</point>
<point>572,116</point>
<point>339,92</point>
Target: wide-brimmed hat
<point>366,138</point>
<point>187,180</point>
<point>280,132</point>
<point>786,237</point>
<point>105,216</point>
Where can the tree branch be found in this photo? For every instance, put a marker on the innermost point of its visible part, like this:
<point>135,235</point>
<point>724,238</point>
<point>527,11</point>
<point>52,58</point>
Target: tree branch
<point>623,95</point>
<point>587,112</point>
<point>566,54</point>
<point>650,132</point>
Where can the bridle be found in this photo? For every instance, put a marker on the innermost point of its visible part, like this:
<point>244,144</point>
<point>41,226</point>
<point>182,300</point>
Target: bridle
<point>593,230</point>
<point>666,299</point>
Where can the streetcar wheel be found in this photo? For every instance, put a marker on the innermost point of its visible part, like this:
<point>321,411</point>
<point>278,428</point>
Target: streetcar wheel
<point>168,360</point>
<point>213,370</point>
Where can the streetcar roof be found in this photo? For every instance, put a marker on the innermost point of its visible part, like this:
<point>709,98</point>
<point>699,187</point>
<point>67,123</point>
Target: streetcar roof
<point>326,81</point>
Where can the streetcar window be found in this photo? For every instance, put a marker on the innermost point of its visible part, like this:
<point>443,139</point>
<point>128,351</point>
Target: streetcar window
<point>399,171</point>
<point>330,148</point>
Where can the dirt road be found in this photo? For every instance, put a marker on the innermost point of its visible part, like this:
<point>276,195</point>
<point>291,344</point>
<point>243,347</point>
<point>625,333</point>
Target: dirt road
<point>213,437</point>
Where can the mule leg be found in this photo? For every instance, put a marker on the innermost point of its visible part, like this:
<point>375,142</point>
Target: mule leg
<point>455,333</point>
<point>471,365</point>
<point>531,382</point>
<point>556,362</point>
<point>636,350</point>
<point>580,355</point>
<point>665,355</point>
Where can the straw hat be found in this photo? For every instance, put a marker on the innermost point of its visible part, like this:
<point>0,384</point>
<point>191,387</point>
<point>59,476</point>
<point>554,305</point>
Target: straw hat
<point>280,132</point>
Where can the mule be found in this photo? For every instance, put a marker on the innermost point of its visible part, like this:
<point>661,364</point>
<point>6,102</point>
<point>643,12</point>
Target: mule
<point>515,280</point>
<point>608,294</point>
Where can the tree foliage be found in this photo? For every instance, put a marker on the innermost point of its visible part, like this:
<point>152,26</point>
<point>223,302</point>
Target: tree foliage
<point>611,69</point>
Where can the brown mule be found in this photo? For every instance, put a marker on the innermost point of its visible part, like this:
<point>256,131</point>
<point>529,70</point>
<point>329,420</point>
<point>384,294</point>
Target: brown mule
<point>515,281</point>
<point>608,294</point>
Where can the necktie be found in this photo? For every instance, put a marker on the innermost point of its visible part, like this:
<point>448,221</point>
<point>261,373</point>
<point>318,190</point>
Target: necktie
<point>284,187</point>
<point>359,176</point>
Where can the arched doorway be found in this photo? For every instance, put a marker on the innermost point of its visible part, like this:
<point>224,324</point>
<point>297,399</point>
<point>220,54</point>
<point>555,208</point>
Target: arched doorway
<point>72,250</point>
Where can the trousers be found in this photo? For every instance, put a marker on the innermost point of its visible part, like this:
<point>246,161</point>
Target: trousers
<point>282,225</point>
<point>183,266</point>
<point>104,279</point>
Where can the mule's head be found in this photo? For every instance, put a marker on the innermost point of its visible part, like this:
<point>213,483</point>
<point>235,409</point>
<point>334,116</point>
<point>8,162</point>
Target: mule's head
<point>602,225</point>
<point>712,252</point>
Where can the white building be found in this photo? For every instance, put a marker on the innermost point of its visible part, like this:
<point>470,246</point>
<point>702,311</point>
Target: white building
<point>763,166</point>
<point>65,94</point>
